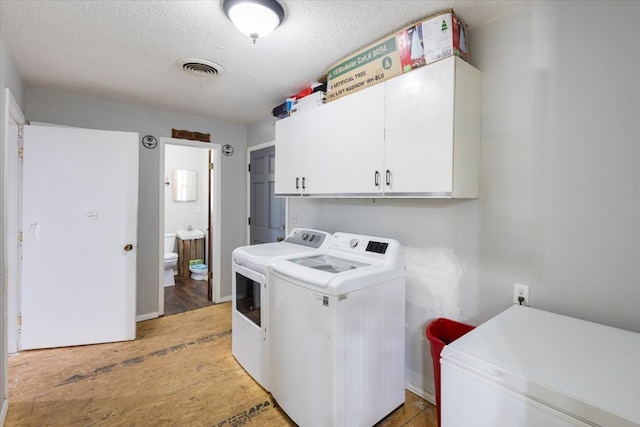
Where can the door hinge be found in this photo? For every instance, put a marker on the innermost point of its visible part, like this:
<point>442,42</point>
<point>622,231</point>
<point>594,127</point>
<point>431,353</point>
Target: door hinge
<point>249,221</point>
<point>210,166</point>
<point>20,237</point>
<point>20,320</point>
<point>210,275</point>
<point>21,153</point>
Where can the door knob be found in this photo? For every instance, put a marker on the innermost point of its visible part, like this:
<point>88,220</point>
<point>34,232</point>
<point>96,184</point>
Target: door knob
<point>281,226</point>
<point>128,247</point>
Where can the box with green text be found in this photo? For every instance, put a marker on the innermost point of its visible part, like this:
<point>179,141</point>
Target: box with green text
<point>431,39</point>
<point>367,67</point>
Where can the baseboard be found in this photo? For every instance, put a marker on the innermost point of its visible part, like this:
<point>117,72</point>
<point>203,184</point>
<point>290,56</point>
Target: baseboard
<point>419,391</point>
<point>225,299</point>
<point>147,316</point>
<point>3,413</point>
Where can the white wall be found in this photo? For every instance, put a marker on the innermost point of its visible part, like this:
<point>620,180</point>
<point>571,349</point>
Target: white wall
<point>178,215</point>
<point>262,131</point>
<point>61,108</point>
<point>561,201</point>
<point>560,197</point>
<point>9,78</point>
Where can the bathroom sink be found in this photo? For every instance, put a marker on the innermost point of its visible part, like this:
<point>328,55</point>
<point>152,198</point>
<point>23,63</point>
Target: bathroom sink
<point>189,234</point>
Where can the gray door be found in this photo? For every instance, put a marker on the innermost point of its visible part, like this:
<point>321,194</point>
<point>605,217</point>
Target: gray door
<point>267,213</point>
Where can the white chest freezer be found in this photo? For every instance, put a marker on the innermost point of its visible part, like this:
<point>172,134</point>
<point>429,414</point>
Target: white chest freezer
<point>528,367</point>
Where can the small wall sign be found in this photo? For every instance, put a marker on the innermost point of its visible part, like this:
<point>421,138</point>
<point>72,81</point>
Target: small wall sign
<point>227,150</point>
<point>149,141</point>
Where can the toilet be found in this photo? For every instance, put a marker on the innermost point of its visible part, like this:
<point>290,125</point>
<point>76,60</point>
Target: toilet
<point>198,271</point>
<point>170,258</point>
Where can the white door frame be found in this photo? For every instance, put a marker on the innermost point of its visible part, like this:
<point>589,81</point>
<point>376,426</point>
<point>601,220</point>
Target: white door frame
<point>215,209</point>
<point>11,222</point>
<point>9,284</point>
<point>286,202</point>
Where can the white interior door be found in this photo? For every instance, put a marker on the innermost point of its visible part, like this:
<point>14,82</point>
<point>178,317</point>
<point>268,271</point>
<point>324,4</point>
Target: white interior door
<point>80,206</point>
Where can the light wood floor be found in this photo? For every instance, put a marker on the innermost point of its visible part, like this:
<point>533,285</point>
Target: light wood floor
<point>178,372</point>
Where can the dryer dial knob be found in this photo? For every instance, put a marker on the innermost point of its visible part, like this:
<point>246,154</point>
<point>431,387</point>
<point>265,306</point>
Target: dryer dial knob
<point>305,236</point>
<point>353,243</point>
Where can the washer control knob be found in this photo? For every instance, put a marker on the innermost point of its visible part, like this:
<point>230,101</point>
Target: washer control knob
<point>353,243</point>
<point>305,236</point>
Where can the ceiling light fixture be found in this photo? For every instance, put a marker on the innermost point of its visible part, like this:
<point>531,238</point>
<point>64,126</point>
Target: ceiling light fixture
<point>255,18</point>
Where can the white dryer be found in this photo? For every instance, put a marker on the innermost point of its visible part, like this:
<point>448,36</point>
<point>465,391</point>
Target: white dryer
<point>250,289</point>
<point>337,324</point>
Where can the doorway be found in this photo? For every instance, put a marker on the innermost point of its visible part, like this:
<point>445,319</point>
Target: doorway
<point>267,213</point>
<point>30,228</point>
<point>200,211</point>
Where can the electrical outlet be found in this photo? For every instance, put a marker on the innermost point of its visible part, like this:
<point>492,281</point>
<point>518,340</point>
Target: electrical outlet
<point>293,218</point>
<point>520,290</point>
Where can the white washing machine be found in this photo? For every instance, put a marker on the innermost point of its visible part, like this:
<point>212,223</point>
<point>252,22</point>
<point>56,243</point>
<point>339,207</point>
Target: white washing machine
<point>250,289</point>
<point>337,324</point>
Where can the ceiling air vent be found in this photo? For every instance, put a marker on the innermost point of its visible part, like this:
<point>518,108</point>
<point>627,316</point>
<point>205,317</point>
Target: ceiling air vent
<point>199,67</point>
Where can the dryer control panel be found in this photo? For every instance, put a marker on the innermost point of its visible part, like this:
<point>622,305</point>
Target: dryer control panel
<point>310,238</point>
<point>378,250</point>
<point>377,247</point>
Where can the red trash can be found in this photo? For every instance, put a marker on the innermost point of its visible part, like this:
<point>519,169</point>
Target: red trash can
<point>441,332</point>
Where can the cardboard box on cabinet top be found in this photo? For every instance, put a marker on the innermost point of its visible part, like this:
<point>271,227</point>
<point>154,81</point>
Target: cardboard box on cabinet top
<point>436,37</point>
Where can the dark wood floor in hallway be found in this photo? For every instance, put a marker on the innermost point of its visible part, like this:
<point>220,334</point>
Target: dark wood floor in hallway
<point>185,295</point>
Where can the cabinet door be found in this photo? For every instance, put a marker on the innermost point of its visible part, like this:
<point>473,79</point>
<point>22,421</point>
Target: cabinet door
<point>350,134</point>
<point>288,165</point>
<point>418,152</point>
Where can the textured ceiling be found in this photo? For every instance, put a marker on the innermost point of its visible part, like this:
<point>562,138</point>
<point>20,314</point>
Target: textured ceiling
<point>126,51</point>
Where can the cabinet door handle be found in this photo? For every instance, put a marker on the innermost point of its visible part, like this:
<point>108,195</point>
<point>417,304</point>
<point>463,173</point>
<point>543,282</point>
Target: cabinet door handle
<point>388,177</point>
<point>297,183</point>
<point>376,178</point>
<point>304,185</point>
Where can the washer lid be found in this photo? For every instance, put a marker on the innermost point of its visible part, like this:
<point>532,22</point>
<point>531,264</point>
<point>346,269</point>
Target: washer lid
<point>328,263</point>
<point>262,255</point>
<point>300,242</point>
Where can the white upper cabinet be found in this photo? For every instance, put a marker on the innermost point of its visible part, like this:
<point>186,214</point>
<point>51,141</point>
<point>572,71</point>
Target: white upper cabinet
<point>352,137</point>
<point>416,135</point>
<point>292,150</point>
<point>301,154</point>
<point>328,151</point>
<point>432,131</point>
